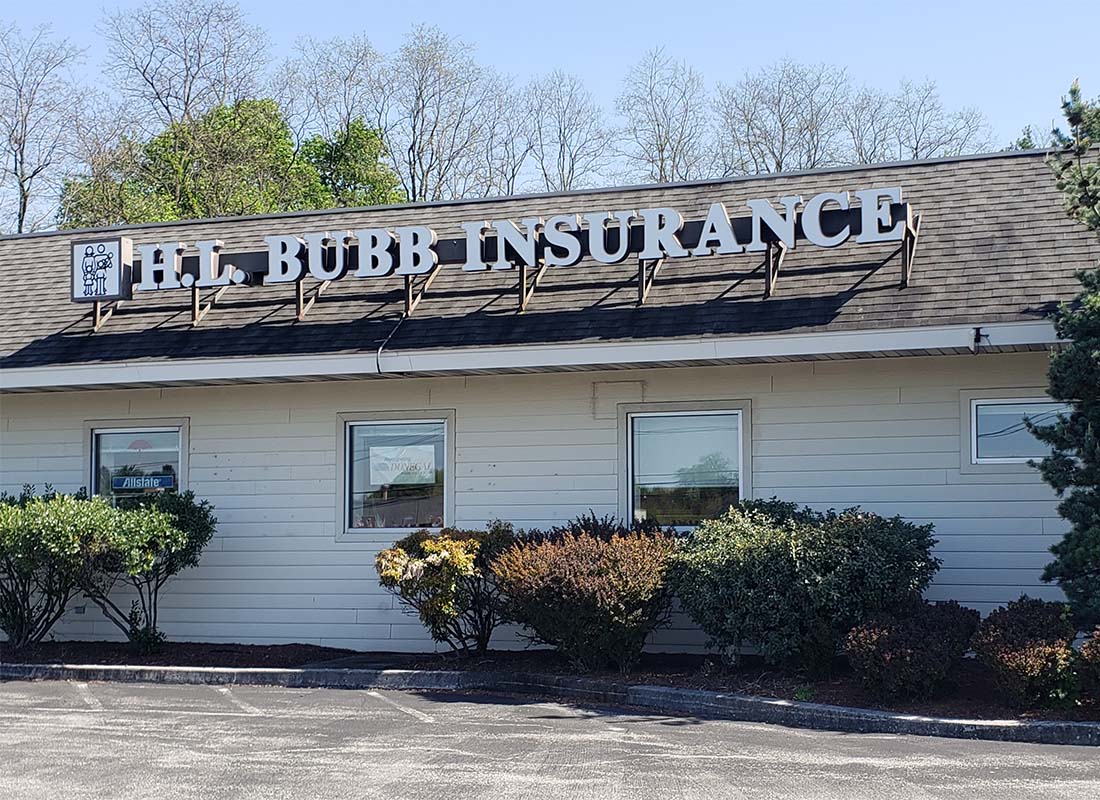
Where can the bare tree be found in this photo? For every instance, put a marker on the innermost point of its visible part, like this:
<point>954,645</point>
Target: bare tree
<point>37,96</point>
<point>570,142</point>
<point>330,83</point>
<point>183,57</point>
<point>505,140</point>
<point>870,122</point>
<point>925,129</point>
<point>785,116</point>
<point>666,108</point>
<point>435,123</point>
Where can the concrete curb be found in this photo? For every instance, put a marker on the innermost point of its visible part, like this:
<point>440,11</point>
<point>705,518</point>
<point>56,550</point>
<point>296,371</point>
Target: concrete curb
<point>659,699</point>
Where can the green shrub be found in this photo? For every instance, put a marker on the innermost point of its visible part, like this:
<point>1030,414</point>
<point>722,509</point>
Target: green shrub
<point>589,524</point>
<point>40,558</point>
<point>793,581</point>
<point>54,545</point>
<point>909,654</point>
<point>160,535</point>
<point>1029,647</point>
<point>595,600</point>
<point>446,577</point>
<point>131,551</point>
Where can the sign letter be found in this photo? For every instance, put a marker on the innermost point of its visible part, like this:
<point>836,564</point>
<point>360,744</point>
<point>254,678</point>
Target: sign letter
<point>597,235</point>
<point>414,246</point>
<point>375,260</point>
<point>558,238</point>
<point>811,219</point>
<point>717,231</point>
<point>763,213</point>
<point>523,244</point>
<point>162,274</point>
<point>659,233</point>
<point>318,244</point>
<point>284,260</point>
<point>875,213</point>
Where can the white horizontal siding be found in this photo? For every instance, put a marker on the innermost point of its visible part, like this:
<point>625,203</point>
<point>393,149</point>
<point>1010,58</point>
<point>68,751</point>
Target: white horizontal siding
<point>538,450</point>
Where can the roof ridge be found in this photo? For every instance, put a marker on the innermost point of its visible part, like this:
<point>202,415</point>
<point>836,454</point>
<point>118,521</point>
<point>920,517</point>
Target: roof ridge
<point>533,195</point>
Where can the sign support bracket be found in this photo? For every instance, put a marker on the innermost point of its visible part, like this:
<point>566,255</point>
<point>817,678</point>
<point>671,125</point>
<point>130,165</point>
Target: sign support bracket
<point>773,262</point>
<point>909,246</point>
<point>304,300</point>
<point>647,277</point>
<point>199,311</point>
<point>101,312</point>
<point>525,292</point>
<point>414,296</point>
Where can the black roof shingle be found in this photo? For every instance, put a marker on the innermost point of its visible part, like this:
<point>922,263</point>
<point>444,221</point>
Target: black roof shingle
<point>995,246</point>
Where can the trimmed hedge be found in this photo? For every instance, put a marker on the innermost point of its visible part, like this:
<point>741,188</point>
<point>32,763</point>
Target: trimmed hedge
<point>1029,647</point>
<point>793,581</point>
<point>595,600</point>
<point>909,654</point>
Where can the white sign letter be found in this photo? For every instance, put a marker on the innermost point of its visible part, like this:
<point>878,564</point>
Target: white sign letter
<point>211,271</point>
<point>474,237</point>
<point>524,244</point>
<point>597,235</point>
<point>717,231</point>
<point>783,227</point>
<point>414,248</point>
<point>163,275</point>
<point>284,264</point>
<point>557,236</point>
<point>811,219</point>
<point>660,226</point>
<point>318,244</point>
<point>375,260</point>
<point>875,213</point>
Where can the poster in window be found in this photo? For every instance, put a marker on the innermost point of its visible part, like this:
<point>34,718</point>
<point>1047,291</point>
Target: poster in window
<point>411,464</point>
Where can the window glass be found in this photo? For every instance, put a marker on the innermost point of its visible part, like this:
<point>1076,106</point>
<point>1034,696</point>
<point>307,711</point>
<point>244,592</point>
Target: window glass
<point>135,461</point>
<point>1001,433</point>
<point>395,474</point>
<point>684,467</point>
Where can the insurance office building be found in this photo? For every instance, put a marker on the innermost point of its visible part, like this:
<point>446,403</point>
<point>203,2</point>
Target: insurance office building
<point>330,381</point>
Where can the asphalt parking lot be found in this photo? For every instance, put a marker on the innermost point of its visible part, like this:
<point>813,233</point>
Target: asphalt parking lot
<point>76,740</point>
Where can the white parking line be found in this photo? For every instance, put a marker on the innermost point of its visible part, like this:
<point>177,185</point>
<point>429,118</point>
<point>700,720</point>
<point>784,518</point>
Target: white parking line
<point>248,708</point>
<point>412,712</point>
<point>86,695</point>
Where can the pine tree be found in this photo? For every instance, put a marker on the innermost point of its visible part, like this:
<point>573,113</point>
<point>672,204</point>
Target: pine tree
<point>1073,468</point>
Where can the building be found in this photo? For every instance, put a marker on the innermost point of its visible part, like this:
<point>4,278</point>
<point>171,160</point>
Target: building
<point>871,336</point>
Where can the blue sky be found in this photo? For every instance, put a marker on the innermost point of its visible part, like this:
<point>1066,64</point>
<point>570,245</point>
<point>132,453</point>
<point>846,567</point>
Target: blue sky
<point>1010,59</point>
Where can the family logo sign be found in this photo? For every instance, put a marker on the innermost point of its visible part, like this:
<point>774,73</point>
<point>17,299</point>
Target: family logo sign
<point>102,269</point>
<point>105,270</point>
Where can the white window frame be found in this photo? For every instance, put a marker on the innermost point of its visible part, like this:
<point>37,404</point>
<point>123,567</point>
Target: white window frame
<point>345,422</point>
<point>970,399</point>
<point>133,426</point>
<point>631,411</point>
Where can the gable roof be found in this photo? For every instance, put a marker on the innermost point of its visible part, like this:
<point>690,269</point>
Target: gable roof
<point>995,246</point>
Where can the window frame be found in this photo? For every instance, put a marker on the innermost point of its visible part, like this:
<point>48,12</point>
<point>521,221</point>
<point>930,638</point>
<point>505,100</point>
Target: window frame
<point>345,422</point>
<point>94,427</point>
<point>629,411</point>
<point>969,400</point>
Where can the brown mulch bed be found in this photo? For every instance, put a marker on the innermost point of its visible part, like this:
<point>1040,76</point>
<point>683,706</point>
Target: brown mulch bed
<point>174,654</point>
<point>969,693</point>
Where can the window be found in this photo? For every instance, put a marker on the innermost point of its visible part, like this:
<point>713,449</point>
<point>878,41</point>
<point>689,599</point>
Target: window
<point>128,461</point>
<point>396,474</point>
<point>999,433</point>
<point>684,466</point>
